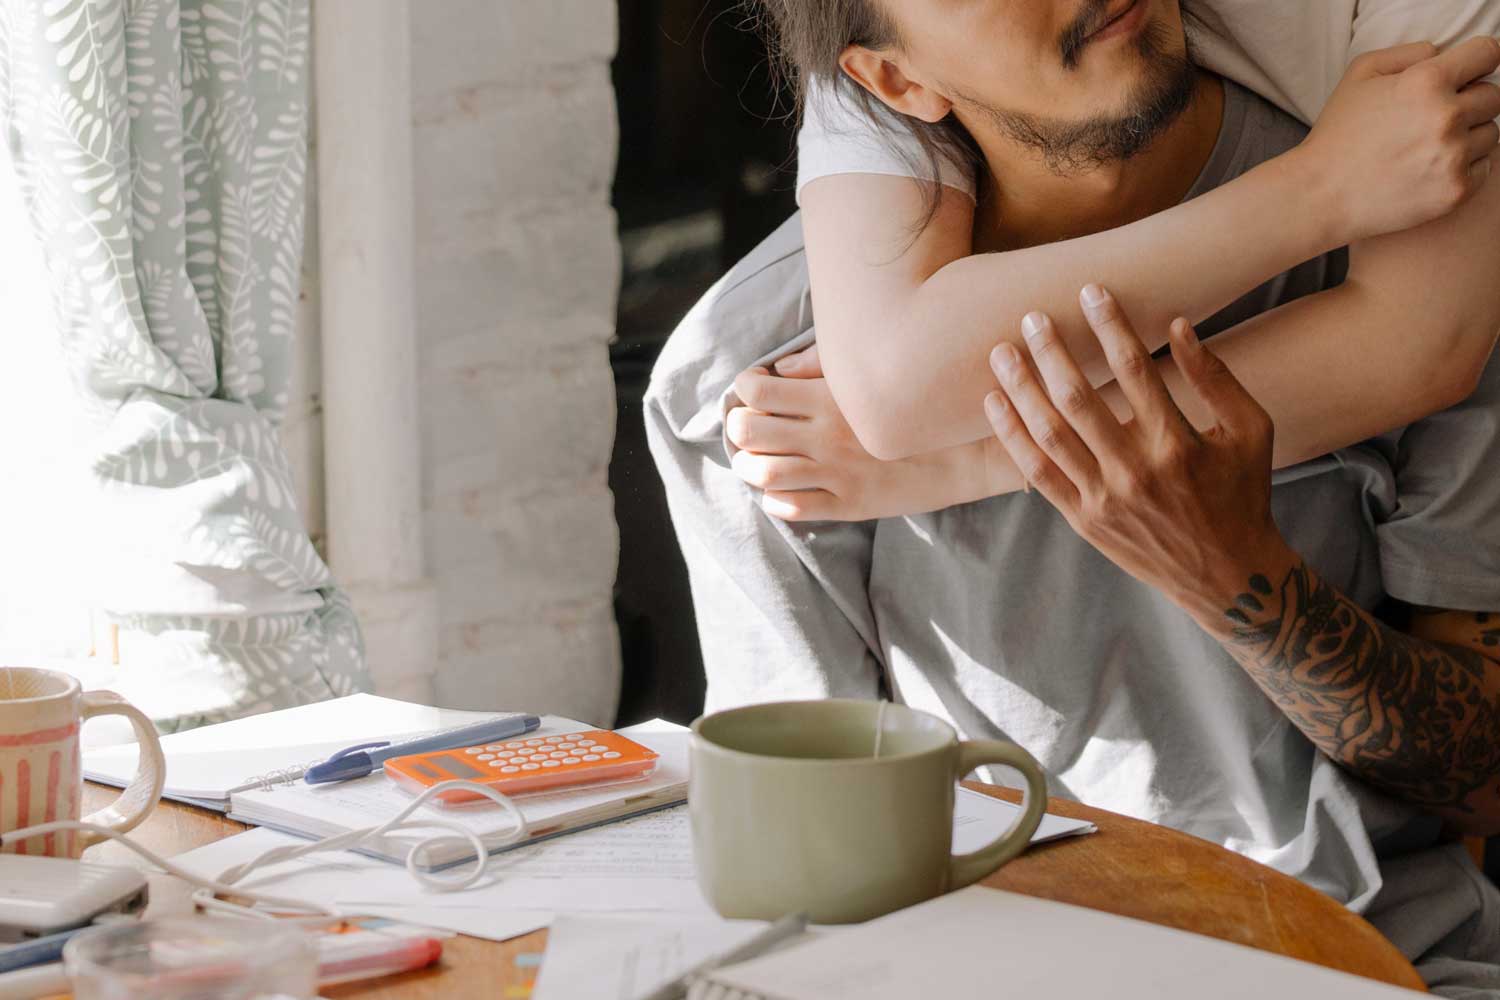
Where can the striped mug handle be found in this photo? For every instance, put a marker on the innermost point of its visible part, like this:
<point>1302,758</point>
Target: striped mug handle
<point>135,803</point>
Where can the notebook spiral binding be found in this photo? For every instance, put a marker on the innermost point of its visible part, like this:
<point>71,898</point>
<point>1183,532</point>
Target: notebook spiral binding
<point>285,776</point>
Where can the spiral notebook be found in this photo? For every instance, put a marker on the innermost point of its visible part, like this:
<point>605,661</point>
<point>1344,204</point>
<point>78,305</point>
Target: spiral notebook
<point>205,766</point>
<point>328,810</point>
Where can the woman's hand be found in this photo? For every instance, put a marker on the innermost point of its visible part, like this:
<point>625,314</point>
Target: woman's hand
<point>1407,135</point>
<point>796,446</point>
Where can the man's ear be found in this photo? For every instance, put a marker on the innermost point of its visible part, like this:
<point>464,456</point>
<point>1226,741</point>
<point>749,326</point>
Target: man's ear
<point>882,75</point>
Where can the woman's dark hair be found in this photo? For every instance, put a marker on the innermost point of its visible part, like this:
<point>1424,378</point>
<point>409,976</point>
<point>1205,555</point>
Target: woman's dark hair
<point>806,38</point>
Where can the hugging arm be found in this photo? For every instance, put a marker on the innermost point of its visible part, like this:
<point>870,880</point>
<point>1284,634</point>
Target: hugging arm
<point>1323,364</point>
<point>1406,334</point>
<point>1320,366</point>
<point>904,327</point>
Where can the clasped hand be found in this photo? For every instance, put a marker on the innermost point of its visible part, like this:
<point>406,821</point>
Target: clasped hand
<point>798,449</point>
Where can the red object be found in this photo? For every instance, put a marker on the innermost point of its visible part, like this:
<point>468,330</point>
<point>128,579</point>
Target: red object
<point>373,954</point>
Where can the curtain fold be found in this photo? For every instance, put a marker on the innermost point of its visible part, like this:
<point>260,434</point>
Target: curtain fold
<point>161,146</point>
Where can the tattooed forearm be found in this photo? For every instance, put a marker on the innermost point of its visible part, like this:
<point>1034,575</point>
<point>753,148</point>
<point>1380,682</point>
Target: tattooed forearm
<point>1419,719</point>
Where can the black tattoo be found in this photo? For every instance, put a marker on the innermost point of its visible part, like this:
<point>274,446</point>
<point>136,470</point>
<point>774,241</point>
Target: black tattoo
<point>1488,637</point>
<point>1250,601</point>
<point>1419,719</point>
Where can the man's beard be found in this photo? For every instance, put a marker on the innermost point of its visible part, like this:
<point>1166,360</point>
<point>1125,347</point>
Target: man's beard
<point>1076,147</point>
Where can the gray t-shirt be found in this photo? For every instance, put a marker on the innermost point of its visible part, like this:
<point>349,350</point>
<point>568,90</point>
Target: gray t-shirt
<point>997,617</point>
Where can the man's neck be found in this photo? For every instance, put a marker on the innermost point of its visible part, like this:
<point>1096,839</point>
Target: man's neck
<point>1022,202</point>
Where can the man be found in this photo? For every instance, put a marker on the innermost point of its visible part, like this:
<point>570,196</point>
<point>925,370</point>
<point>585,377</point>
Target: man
<point>1169,636</point>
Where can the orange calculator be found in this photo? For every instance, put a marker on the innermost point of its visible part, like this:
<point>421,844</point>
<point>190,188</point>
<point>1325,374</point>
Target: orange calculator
<point>534,764</point>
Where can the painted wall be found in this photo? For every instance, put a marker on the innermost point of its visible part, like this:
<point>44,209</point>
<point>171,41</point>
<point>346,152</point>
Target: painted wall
<point>517,273</point>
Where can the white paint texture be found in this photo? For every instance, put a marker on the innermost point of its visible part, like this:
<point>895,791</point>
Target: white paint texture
<point>463,414</point>
<point>516,279</point>
<point>368,345</point>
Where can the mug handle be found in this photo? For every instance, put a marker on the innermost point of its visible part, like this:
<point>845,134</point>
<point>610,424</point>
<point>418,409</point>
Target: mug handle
<point>964,869</point>
<point>140,796</point>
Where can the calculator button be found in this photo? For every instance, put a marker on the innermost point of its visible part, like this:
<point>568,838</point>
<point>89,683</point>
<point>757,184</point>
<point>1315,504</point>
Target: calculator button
<point>590,756</point>
<point>566,746</point>
<point>531,767</point>
<point>611,755</point>
<point>573,736</point>
<point>497,763</point>
<point>492,747</point>
<point>585,743</point>
<point>513,744</point>
<point>508,769</point>
<point>549,763</point>
<point>486,756</point>
<point>553,739</point>
<point>558,753</point>
<point>473,750</point>
<point>570,760</point>
<point>533,743</point>
<point>506,753</point>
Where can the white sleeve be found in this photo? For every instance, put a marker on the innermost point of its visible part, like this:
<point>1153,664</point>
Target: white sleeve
<point>837,138</point>
<point>1294,53</point>
<point>1382,23</point>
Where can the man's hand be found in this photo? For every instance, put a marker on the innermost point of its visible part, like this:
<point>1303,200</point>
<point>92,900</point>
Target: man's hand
<point>1415,714</point>
<point>1184,511</point>
<point>796,446</point>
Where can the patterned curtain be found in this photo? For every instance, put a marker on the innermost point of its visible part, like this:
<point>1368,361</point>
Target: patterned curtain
<point>161,146</point>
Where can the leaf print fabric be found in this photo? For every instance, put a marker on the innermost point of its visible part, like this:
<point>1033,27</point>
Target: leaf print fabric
<point>161,147</point>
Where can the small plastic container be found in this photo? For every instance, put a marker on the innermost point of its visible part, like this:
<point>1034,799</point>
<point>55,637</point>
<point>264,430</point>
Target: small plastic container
<point>193,959</point>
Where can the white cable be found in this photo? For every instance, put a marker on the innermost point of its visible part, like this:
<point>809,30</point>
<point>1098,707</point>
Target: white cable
<point>225,883</point>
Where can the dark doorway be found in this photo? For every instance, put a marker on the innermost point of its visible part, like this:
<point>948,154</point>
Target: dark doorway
<point>706,172</point>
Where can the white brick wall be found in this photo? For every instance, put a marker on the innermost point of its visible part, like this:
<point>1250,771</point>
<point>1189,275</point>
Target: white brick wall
<point>517,266</point>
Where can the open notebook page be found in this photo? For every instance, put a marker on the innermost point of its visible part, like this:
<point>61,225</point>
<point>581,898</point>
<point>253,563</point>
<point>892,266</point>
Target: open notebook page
<point>206,764</point>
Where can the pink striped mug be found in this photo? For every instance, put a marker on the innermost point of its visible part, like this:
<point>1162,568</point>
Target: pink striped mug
<point>41,780</point>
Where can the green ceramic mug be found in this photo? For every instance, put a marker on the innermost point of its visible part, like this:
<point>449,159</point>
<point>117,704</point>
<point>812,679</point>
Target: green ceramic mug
<point>793,811</point>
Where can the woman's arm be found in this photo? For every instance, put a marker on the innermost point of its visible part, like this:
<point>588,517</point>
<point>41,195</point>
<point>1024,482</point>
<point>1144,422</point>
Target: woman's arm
<point>1331,369</point>
<point>904,335</point>
<point>1415,321</point>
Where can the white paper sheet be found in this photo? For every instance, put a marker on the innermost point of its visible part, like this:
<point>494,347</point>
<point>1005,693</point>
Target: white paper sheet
<point>640,865</point>
<point>969,944</point>
<point>622,958</point>
<point>978,818</point>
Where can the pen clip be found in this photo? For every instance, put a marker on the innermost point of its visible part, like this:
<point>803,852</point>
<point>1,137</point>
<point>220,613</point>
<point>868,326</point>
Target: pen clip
<point>356,749</point>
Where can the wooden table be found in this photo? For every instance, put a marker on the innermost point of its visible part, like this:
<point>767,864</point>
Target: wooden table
<point>1129,867</point>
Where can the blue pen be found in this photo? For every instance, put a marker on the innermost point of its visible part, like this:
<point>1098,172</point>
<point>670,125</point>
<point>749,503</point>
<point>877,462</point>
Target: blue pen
<point>37,951</point>
<point>358,761</point>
